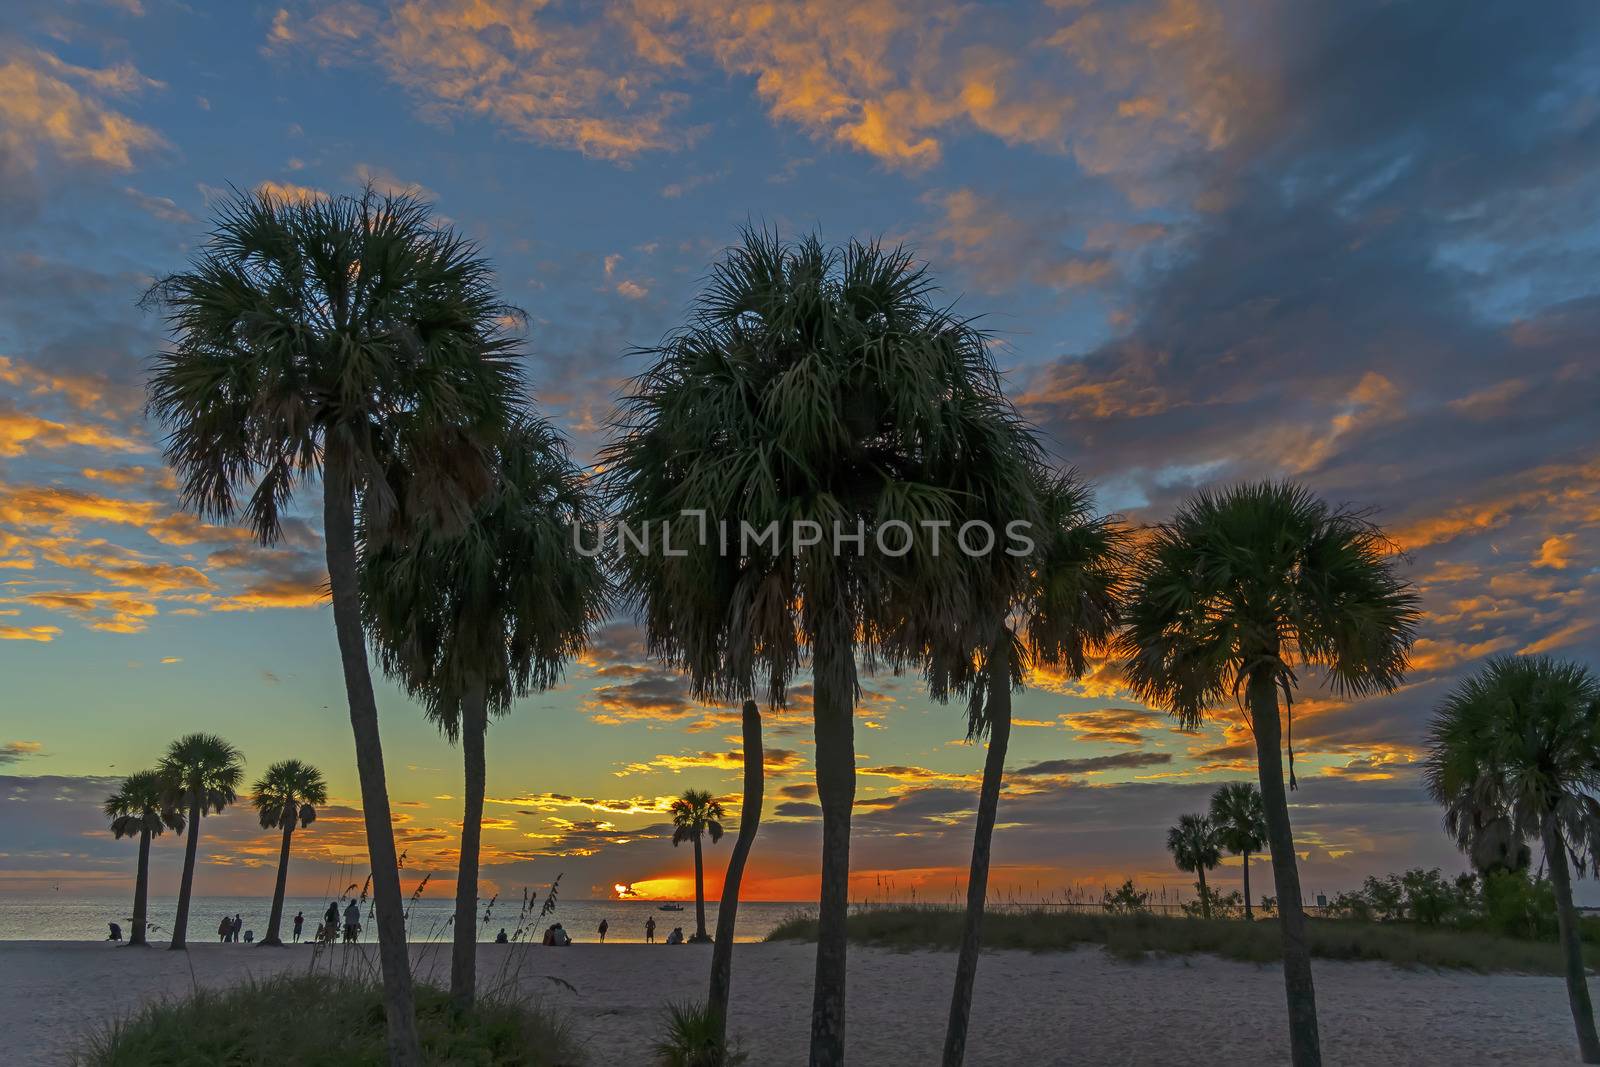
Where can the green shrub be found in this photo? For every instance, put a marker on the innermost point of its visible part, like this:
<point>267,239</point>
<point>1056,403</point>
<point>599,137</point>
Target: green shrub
<point>692,1040</point>
<point>314,1020</point>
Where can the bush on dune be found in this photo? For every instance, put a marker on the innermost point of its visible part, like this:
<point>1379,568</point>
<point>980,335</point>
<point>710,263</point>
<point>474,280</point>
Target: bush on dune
<point>325,1021</point>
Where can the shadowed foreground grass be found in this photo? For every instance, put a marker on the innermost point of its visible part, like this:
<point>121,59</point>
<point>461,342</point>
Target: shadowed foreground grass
<point>1132,936</point>
<point>324,1021</point>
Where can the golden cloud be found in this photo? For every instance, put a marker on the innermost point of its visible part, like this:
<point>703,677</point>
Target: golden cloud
<point>48,103</point>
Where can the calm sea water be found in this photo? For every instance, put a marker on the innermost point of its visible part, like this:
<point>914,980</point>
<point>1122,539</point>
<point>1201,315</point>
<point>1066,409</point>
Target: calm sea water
<point>57,917</point>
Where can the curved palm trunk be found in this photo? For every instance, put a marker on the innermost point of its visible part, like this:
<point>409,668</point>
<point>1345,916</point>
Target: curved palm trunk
<point>1205,898</point>
<point>1249,916</point>
<point>275,921</point>
<point>191,845</point>
<point>727,913</point>
<point>834,670</point>
<point>340,533</point>
<point>699,892</point>
<point>1555,851</point>
<point>1305,1045</point>
<point>141,891</point>
<point>999,709</point>
<point>464,950</point>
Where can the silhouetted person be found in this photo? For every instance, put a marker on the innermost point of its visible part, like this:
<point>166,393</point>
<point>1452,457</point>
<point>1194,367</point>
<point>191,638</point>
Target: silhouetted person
<point>650,930</point>
<point>116,933</point>
<point>676,937</point>
<point>330,919</point>
<point>352,922</point>
<point>604,926</point>
<point>299,922</point>
<point>501,938</point>
<point>224,929</point>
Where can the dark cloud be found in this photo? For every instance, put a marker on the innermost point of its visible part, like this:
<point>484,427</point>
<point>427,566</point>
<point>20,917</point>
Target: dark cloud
<point>1120,760</point>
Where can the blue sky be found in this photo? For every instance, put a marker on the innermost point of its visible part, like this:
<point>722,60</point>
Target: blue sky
<point>1353,244</point>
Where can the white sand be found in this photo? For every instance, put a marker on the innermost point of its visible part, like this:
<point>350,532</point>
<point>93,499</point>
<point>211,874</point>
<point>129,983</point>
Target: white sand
<point>1057,1008</point>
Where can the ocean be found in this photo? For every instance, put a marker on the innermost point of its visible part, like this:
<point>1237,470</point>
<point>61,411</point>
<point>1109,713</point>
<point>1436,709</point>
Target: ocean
<point>58,917</point>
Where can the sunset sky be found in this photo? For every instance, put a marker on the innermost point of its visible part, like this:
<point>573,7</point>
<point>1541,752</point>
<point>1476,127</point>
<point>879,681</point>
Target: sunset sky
<point>1352,243</point>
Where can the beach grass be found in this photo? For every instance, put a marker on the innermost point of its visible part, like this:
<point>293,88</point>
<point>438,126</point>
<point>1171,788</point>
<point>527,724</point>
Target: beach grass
<point>1135,936</point>
<point>320,1020</point>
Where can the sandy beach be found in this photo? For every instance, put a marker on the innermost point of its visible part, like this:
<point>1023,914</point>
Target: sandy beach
<point>1053,1008</point>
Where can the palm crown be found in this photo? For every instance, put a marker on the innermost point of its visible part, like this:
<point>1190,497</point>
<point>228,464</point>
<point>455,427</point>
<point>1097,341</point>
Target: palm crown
<point>1514,744</point>
<point>1239,817</point>
<point>140,805</point>
<point>288,793</point>
<point>696,812</point>
<point>201,772</point>
<point>817,385</point>
<point>1193,843</point>
<point>347,330</point>
<point>504,602</point>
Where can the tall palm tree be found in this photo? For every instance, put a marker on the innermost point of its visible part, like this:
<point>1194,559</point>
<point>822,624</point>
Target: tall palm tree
<point>694,814</point>
<point>285,797</point>
<point>1049,608</point>
<point>1517,746</point>
<point>1196,848</point>
<point>727,913</point>
<point>326,337</point>
<point>473,620</point>
<point>139,806</point>
<point>1241,825</point>
<point>200,775</point>
<point>813,391</point>
<point>1238,593</point>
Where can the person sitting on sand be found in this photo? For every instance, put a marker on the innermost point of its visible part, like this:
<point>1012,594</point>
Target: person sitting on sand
<point>501,938</point>
<point>650,930</point>
<point>299,922</point>
<point>352,923</point>
<point>604,926</point>
<point>249,937</point>
<point>676,937</point>
<point>116,933</point>
<point>562,938</point>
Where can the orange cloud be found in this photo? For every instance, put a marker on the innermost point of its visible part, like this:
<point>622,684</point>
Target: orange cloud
<point>48,103</point>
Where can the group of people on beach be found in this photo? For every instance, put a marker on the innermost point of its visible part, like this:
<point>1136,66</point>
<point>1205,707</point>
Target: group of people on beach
<point>231,929</point>
<point>674,938</point>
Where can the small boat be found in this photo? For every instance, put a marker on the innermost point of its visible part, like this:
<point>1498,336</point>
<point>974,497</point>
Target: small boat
<point>670,907</point>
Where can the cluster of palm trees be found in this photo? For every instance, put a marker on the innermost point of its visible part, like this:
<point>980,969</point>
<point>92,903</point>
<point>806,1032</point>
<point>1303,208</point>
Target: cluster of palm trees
<point>1236,824</point>
<point>200,775</point>
<point>356,339</point>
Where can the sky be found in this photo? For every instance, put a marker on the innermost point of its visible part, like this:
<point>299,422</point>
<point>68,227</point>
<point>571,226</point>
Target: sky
<point>1352,244</point>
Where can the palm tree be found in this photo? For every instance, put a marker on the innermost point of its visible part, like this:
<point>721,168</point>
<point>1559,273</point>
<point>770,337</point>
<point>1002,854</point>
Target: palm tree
<point>139,807</point>
<point>813,391</point>
<point>285,797</point>
<point>329,337</point>
<point>1239,590</point>
<point>693,814</point>
<point>200,776</point>
<point>1241,825</point>
<point>727,913</point>
<point>1196,848</point>
<point>474,620</point>
<point>1048,609</point>
<point>1517,747</point>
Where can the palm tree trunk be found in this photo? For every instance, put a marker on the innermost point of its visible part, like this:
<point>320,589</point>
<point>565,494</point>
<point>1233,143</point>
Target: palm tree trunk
<point>1555,851</point>
<point>340,534</point>
<point>275,920</point>
<point>1205,898</point>
<point>1305,1045</point>
<point>464,950</point>
<point>1249,916</point>
<point>833,664</point>
<point>191,845</point>
<point>727,912</point>
<point>999,713</point>
<point>699,892</point>
<point>141,891</point>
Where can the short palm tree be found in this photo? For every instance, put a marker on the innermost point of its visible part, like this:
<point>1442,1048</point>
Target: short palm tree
<point>287,796</point>
<point>695,814</point>
<point>721,986</point>
<point>139,806</point>
<point>200,775</point>
<point>1049,608</point>
<point>471,621</point>
<point>1241,591</point>
<point>1517,746</point>
<point>1196,848</point>
<point>1241,824</point>
<point>813,391</point>
<point>328,337</point>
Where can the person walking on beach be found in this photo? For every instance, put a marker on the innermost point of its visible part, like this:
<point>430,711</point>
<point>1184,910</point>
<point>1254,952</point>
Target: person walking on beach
<point>352,922</point>
<point>604,926</point>
<point>650,930</point>
<point>299,922</point>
